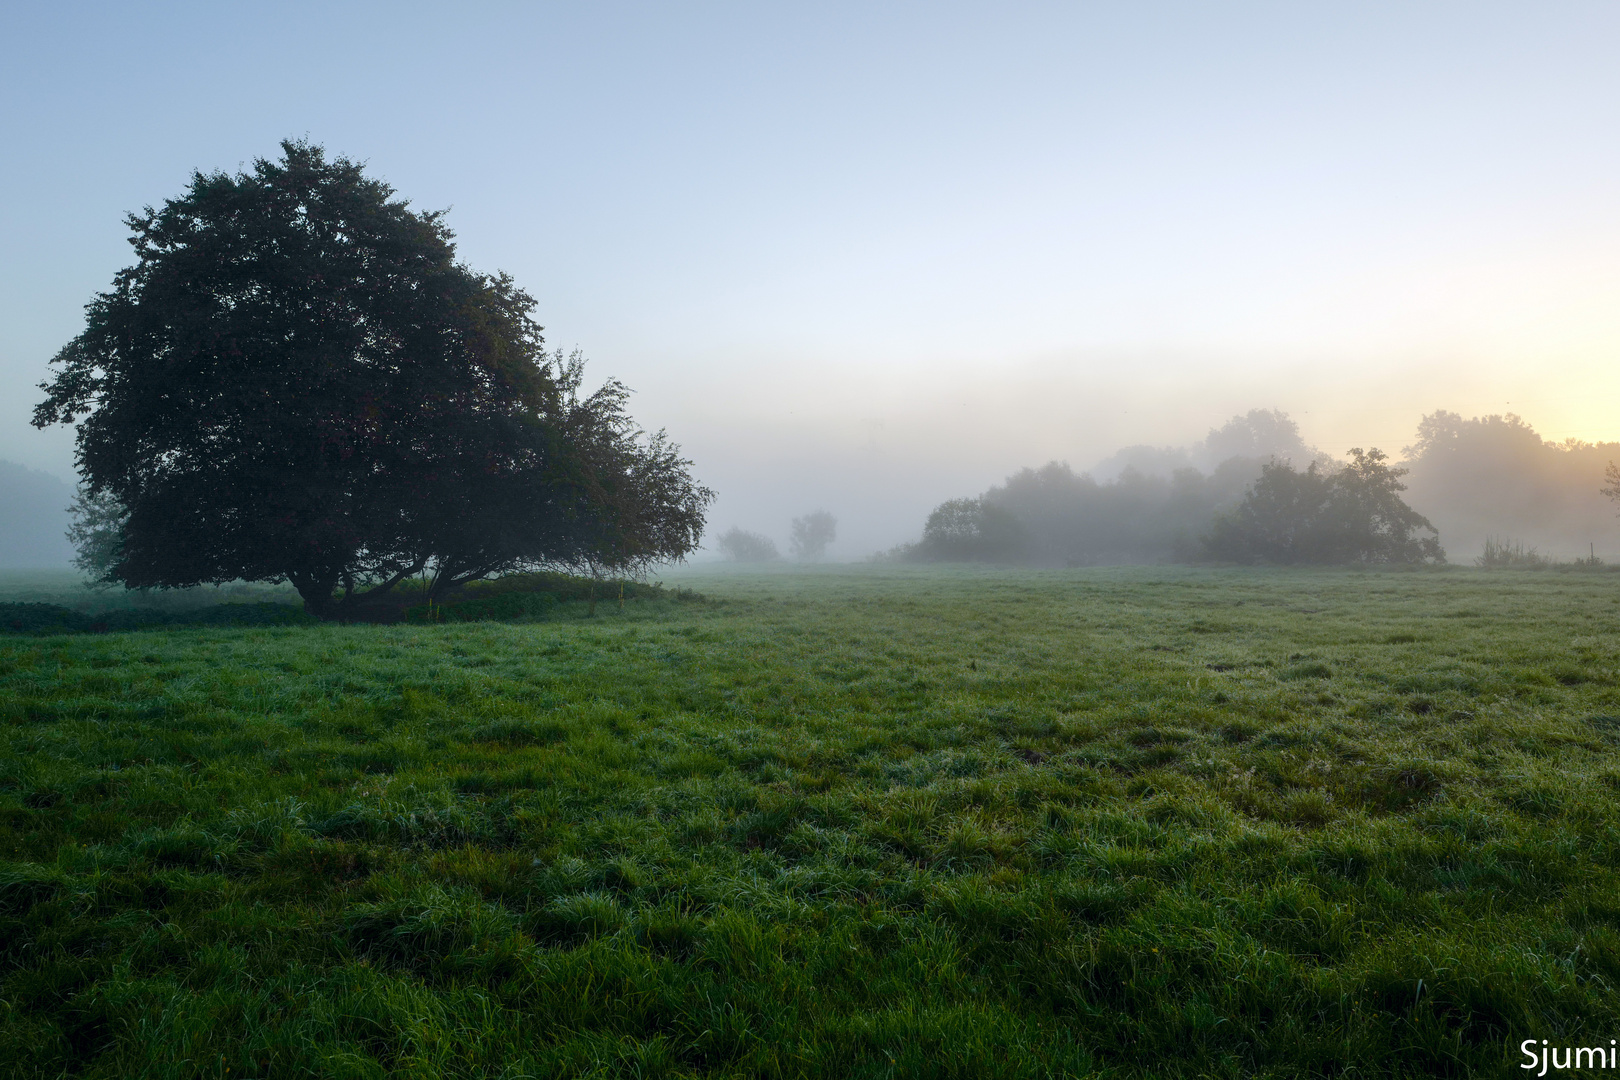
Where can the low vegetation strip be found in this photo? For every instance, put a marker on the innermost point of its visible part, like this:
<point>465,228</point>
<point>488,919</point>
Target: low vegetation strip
<point>42,618</point>
<point>513,598</point>
<point>881,821</point>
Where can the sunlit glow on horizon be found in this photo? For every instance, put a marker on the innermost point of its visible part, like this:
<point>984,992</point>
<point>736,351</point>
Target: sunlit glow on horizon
<point>882,257</point>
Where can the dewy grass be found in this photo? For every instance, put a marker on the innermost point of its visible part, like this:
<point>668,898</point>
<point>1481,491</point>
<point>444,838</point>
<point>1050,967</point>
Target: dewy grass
<point>854,822</point>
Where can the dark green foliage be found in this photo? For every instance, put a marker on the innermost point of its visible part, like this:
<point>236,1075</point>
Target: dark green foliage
<point>297,380</point>
<point>1349,515</point>
<point>28,618</point>
<point>882,822</point>
<point>41,619</point>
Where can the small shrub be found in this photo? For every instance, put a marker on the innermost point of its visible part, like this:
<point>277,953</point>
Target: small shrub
<point>1504,554</point>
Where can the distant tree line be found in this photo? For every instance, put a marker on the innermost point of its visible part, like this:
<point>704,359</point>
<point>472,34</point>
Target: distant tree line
<point>1353,514</point>
<point>1491,476</point>
<point>1254,492</point>
<point>808,539</point>
<point>1144,504</point>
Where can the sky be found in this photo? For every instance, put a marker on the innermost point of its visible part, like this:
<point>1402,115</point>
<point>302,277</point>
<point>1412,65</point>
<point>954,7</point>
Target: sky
<point>868,257</point>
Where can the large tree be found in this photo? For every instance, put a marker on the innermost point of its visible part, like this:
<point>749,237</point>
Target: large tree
<point>297,380</point>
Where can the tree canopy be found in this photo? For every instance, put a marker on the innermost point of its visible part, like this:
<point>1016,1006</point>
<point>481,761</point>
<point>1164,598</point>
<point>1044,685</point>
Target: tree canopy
<point>1350,515</point>
<point>298,380</point>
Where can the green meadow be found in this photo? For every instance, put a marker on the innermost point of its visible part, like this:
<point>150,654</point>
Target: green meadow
<point>876,821</point>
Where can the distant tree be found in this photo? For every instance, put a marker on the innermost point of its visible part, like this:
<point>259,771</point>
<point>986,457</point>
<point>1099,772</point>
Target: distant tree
<point>97,535</point>
<point>1612,475</point>
<point>1139,517</point>
<point>1145,504</point>
<point>1352,515</point>
<point>811,535</point>
<point>1278,521</point>
<point>739,545</point>
<point>970,530</point>
<point>297,380</point>
<point>1258,435</point>
<point>1486,476</point>
<point>1145,459</point>
<point>1368,521</point>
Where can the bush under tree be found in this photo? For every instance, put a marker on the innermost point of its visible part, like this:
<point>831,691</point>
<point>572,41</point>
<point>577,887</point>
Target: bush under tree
<point>296,380</point>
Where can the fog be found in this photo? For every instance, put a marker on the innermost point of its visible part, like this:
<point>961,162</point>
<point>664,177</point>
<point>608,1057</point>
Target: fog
<point>882,470</point>
<point>1474,479</point>
<point>1025,445</point>
<point>868,260</point>
<point>33,518</point>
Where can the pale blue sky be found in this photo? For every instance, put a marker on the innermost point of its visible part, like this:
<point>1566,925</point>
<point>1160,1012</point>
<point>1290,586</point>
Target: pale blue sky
<point>872,256</point>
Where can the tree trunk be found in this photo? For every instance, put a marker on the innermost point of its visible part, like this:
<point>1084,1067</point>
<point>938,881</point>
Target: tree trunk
<point>316,594</point>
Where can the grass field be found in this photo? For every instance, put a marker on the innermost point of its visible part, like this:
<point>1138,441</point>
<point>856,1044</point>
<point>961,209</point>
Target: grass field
<point>862,822</point>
